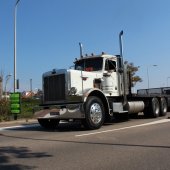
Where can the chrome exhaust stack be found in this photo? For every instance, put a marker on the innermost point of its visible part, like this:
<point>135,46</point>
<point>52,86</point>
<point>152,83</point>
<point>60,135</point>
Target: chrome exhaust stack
<point>125,102</point>
<point>81,50</point>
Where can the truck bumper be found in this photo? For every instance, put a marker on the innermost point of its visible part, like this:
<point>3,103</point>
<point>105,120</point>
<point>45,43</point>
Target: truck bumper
<point>69,111</point>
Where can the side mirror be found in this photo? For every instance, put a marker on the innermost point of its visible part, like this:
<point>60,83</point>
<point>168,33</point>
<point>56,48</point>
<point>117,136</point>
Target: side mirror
<point>106,74</point>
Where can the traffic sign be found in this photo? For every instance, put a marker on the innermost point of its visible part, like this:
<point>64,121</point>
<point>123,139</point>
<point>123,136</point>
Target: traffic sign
<point>15,99</point>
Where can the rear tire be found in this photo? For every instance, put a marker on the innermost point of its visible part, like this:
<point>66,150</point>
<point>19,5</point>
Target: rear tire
<point>155,107</point>
<point>163,107</point>
<point>94,113</point>
<point>49,123</point>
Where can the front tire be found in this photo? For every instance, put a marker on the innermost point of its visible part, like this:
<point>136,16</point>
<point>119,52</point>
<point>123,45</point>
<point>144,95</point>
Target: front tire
<point>94,113</point>
<point>49,123</point>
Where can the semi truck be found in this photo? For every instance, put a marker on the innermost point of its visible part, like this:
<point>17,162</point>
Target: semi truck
<point>94,91</point>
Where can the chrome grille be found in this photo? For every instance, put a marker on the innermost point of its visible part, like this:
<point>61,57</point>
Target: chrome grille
<point>54,88</point>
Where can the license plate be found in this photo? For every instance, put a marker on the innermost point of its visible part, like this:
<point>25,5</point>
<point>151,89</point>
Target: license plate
<point>54,113</point>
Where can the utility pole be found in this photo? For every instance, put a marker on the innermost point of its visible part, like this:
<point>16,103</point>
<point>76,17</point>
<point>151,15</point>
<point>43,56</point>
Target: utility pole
<point>31,87</point>
<point>15,49</point>
<point>167,81</point>
<point>148,74</point>
<point>15,43</point>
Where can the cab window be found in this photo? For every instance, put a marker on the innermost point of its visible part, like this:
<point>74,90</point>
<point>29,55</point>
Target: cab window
<point>90,64</point>
<point>110,65</point>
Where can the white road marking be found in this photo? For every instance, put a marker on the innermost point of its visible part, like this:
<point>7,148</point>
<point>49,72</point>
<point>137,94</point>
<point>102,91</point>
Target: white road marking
<point>128,127</point>
<point>18,127</point>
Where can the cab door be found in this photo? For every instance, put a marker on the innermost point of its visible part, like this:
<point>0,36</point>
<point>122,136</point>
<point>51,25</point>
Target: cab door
<point>111,78</point>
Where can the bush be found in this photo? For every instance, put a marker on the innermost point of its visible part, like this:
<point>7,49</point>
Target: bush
<point>4,109</point>
<point>27,106</point>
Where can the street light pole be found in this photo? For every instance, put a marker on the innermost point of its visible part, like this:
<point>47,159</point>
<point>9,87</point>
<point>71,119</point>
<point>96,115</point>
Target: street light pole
<point>31,87</point>
<point>148,73</point>
<point>15,44</point>
<point>167,81</point>
<point>148,76</point>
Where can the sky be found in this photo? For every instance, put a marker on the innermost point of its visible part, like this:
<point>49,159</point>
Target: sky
<point>49,32</point>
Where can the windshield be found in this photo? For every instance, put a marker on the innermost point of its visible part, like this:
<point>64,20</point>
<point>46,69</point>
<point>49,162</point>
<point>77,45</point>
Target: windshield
<point>90,64</point>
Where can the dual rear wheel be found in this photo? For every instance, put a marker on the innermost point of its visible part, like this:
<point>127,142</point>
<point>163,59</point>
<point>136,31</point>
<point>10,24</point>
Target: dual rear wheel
<point>157,107</point>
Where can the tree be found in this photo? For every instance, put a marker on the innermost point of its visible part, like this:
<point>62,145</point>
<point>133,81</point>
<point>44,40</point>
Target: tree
<point>132,70</point>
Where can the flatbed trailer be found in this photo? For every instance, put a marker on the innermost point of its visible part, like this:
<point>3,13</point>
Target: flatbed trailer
<point>155,92</point>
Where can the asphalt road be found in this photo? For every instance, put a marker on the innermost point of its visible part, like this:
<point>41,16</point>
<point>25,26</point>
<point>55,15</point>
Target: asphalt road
<point>137,144</point>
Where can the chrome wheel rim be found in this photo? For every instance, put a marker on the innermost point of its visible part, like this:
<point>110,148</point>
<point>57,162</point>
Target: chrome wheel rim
<point>95,113</point>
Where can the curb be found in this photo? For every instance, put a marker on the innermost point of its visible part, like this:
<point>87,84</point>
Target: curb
<point>18,122</point>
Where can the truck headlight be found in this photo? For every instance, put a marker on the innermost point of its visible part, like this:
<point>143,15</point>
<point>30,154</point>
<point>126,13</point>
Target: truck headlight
<point>73,91</point>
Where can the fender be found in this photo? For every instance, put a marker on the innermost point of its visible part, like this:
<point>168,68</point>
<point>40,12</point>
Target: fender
<point>98,93</point>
